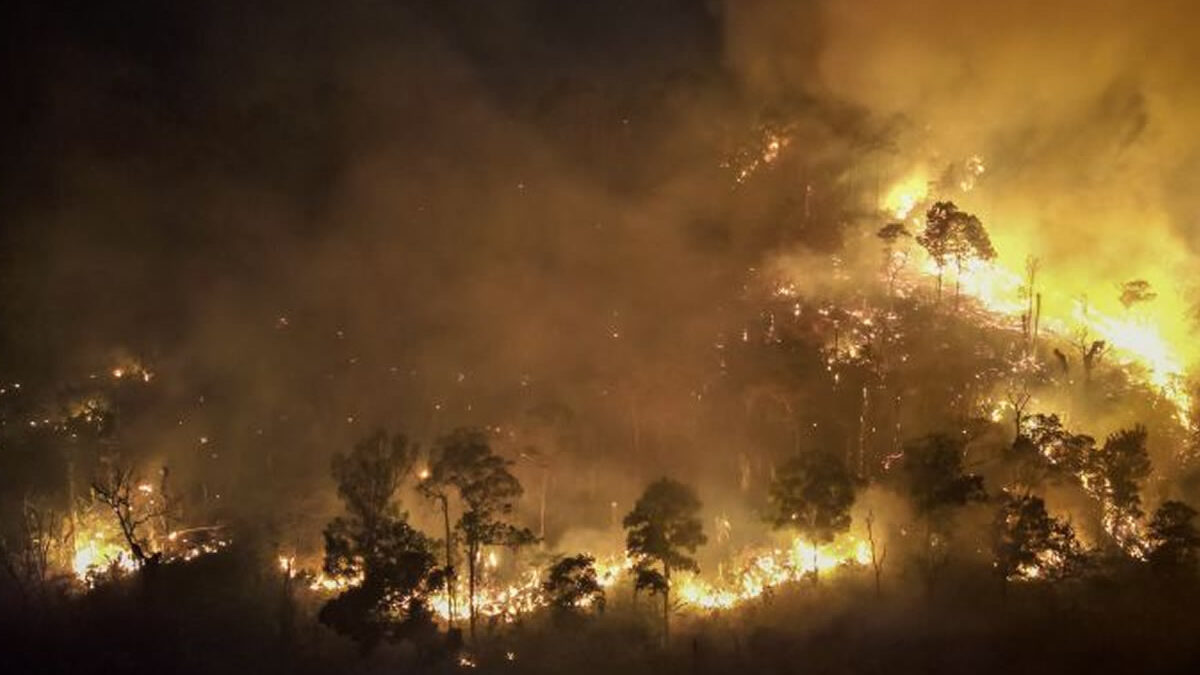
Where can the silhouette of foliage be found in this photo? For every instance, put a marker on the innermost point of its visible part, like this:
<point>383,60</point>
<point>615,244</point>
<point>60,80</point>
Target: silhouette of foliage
<point>664,528</point>
<point>571,584</point>
<point>1028,543</point>
<point>812,494</point>
<point>375,542</point>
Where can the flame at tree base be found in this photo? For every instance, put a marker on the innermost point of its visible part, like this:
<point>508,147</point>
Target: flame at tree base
<point>764,571</point>
<point>757,573</point>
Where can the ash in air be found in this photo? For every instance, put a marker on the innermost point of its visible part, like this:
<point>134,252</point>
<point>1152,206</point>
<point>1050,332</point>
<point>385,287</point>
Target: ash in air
<point>535,336</point>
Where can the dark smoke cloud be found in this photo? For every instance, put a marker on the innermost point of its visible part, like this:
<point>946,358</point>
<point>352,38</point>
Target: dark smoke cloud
<point>309,222</point>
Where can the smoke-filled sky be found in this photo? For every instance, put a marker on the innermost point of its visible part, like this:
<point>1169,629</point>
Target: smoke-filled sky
<point>1084,113</point>
<point>325,217</point>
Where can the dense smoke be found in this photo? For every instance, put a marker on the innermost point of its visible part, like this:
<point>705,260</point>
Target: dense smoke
<point>675,262</point>
<point>539,217</point>
<point>1081,112</point>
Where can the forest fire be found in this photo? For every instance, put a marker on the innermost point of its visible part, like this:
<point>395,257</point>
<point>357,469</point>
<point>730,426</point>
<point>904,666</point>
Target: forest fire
<point>1135,340</point>
<point>94,553</point>
<point>749,577</point>
<point>761,572</point>
<point>699,336</point>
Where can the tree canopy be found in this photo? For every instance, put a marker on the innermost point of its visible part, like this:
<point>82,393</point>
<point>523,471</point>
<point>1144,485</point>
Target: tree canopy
<point>374,545</point>
<point>664,528</point>
<point>812,493</point>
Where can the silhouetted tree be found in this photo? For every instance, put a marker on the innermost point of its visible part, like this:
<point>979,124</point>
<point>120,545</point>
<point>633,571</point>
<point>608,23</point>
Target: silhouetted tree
<point>812,494</point>
<point>953,235</point>
<point>664,528</point>
<point>1114,475</point>
<point>436,487</point>
<point>374,544</point>
<point>1091,351</point>
<point>571,584</point>
<point>893,259</point>
<point>131,505</point>
<point>1028,543</point>
<point>1174,540</point>
<point>488,492</point>
<point>936,483</point>
<point>32,556</point>
<point>1045,449</point>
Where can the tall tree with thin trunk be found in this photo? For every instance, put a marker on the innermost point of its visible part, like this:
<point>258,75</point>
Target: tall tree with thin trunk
<point>664,529</point>
<point>951,235</point>
<point>487,491</point>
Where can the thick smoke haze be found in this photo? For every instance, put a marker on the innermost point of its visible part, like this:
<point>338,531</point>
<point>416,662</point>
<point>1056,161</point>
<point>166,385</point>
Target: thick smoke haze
<point>685,268</point>
<point>415,215</point>
<point>420,215</point>
<point>1082,111</point>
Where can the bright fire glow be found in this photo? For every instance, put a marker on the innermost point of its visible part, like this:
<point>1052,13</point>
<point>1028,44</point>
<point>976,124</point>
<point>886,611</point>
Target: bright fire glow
<point>759,571</point>
<point>765,570</point>
<point>906,195</point>
<point>1154,338</point>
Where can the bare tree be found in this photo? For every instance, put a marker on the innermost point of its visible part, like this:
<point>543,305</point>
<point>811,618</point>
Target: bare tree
<point>120,491</point>
<point>951,235</point>
<point>1091,351</point>
<point>1018,398</point>
<point>1033,299</point>
<point>30,560</point>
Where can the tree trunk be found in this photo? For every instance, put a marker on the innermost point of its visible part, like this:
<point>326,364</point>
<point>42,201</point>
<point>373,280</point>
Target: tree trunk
<point>667,605</point>
<point>471,551</point>
<point>449,560</point>
<point>542,505</point>
<point>862,433</point>
<point>957,284</point>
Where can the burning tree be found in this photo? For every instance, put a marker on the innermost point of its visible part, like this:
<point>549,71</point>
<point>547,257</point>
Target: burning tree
<point>1028,543</point>
<point>374,542</point>
<point>664,528</point>
<point>812,494</point>
<point>1044,448</point>
<point>488,492</point>
<point>1114,477</point>
<point>572,584</point>
<point>953,235</point>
